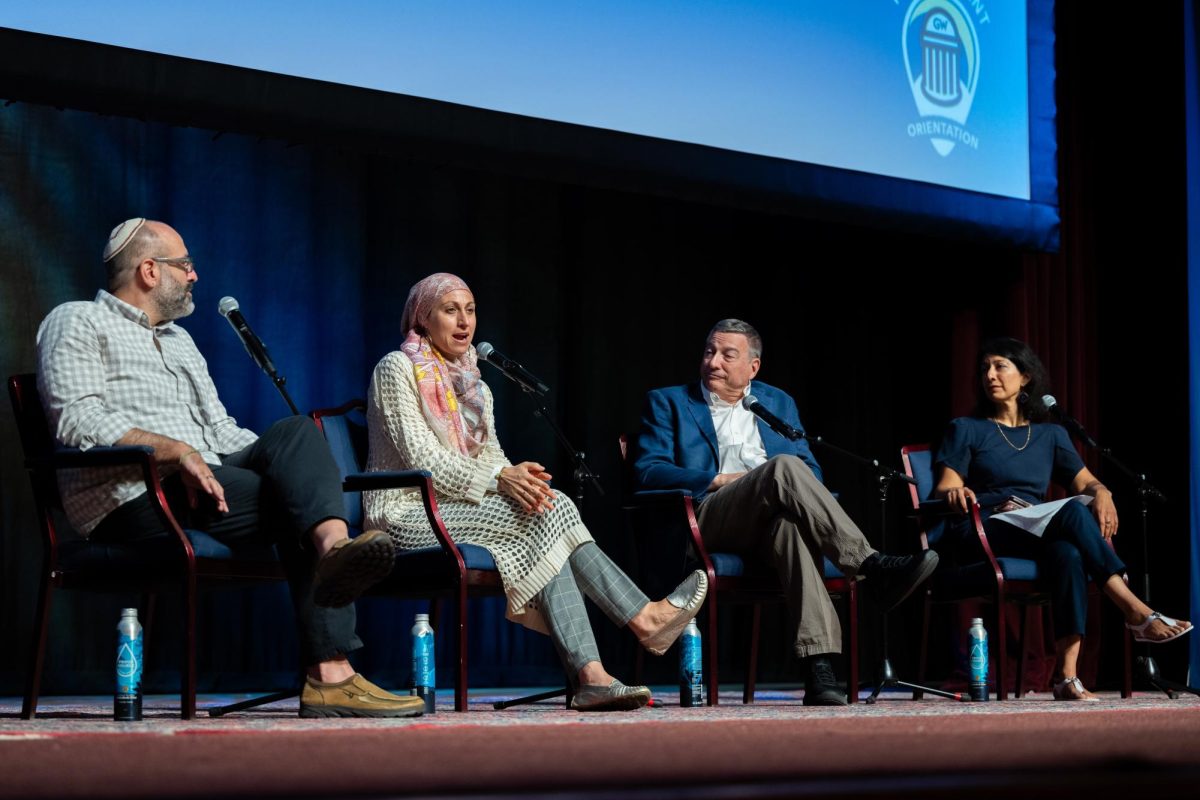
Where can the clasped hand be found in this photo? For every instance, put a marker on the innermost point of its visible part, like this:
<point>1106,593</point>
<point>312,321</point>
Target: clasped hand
<point>528,484</point>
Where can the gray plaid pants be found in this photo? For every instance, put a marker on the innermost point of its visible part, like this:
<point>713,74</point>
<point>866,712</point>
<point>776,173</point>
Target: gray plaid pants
<point>590,570</point>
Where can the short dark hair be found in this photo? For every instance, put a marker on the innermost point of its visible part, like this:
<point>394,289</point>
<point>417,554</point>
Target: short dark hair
<point>1027,362</point>
<point>744,328</point>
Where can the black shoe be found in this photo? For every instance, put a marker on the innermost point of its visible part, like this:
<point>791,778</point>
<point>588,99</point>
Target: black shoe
<point>893,578</point>
<point>820,684</point>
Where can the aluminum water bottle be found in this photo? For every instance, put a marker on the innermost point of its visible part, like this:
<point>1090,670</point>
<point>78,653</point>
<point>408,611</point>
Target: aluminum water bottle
<point>127,701</point>
<point>979,660</point>
<point>691,669</point>
<point>424,663</point>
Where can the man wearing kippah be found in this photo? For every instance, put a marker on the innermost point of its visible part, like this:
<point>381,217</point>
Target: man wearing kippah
<point>119,371</point>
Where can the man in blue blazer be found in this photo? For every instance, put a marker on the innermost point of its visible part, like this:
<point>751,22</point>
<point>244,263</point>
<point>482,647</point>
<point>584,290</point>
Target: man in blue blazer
<point>760,494</point>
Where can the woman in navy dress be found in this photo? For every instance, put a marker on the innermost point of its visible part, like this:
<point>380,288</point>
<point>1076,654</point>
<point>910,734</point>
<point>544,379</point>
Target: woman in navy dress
<point>1004,457</point>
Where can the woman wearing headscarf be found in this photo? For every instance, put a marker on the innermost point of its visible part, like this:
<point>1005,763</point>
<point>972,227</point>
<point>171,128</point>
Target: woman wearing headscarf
<point>429,409</point>
<point>1004,457</point>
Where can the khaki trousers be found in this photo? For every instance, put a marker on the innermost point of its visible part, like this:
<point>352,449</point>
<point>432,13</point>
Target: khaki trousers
<point>780,513</point>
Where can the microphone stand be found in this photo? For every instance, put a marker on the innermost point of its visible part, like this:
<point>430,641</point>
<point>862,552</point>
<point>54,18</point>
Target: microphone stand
<point>279,381</point>
<point>582,475</point>
<point>268,367</point>
<point>885,476</point>
<point>1146,492</point>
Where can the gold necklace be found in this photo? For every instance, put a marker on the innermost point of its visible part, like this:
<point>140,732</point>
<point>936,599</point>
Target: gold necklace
<point>1028,436</point>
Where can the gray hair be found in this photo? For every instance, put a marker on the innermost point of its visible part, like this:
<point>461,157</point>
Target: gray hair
<point>744,328</point>
<point>121,266</point>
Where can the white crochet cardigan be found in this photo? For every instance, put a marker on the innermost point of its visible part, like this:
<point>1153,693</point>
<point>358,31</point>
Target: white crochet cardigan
<point>400,438</point>
<point>529,549</point>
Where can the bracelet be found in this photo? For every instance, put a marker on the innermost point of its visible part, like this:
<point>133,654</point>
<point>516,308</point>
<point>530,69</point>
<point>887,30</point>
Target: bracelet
<point>185,456</point>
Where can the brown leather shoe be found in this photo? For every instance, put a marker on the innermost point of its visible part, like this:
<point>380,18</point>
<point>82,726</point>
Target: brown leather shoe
<point>355,697</point>
<point>351,567</point>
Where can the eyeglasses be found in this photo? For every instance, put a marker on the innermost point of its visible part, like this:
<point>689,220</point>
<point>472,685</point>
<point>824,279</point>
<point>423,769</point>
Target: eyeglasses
<point>186,263</point>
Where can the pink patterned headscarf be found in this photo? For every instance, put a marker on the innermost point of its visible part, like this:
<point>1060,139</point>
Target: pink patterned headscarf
<point>451,392</point>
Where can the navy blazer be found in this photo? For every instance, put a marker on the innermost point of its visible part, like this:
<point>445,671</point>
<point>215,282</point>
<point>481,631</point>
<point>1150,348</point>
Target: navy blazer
<point>677,443</point>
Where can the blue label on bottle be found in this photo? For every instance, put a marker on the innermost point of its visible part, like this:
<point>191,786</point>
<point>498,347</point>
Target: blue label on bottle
<point>691,670</point>
<point>423,666</point>
<point>129,666</point>
<point>979,660</point>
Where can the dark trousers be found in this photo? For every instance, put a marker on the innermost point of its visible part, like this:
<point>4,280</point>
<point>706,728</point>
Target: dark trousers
<point>1070,551</point>
<point>277,489</point>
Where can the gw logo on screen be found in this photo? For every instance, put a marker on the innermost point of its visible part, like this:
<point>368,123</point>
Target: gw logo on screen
<point>941,54</point>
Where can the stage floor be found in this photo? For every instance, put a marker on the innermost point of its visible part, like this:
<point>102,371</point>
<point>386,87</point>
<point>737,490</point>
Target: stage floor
<point>1148,746</point>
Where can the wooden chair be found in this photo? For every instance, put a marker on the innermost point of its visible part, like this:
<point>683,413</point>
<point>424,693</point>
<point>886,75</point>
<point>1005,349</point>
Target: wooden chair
<point>180,559</point>
<point>669,546</point>
<point>448,570</point>
<point>997,580</point>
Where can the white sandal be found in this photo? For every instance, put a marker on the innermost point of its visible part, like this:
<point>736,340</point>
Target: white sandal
<point>1140,630</point>
<point>1072,689</point>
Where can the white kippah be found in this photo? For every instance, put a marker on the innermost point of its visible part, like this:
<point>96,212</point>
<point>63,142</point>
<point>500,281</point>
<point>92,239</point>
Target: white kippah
<point>122,235</point>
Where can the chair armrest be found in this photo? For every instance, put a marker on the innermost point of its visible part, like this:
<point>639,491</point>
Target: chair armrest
<point>667,528</point>
<point>395,479</point>
<point>74,458</point>
<point>658,499</point>
<point>141,456</point>
<point>410,478</point>
<point>940,509</point>
<point>977,523</point>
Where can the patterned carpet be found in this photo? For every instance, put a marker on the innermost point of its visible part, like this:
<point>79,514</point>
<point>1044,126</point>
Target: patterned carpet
<point>1034,748</point>
<point>75,715</point>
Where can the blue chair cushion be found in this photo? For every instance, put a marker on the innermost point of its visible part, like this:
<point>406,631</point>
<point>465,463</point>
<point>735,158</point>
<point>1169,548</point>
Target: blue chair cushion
<point>731,565</point>
<point>431,559</point>
<point>966,581</point>
<point>159,552</point>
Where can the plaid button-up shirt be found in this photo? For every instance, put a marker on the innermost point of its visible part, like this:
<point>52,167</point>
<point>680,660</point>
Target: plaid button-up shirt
<point>103,370</point>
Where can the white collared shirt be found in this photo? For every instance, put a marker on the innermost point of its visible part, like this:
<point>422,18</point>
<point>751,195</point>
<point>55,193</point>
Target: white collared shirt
<point>739,442</point>
<point>103,370</point>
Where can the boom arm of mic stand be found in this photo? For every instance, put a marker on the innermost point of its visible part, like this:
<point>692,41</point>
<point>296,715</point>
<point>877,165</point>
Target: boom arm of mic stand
<point>1144,486</point>
<point>884,472</point>
<point>279,381</point>
<point>583,473</point>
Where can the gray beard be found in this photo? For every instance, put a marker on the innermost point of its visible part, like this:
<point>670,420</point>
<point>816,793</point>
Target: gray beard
<point>173,308</point>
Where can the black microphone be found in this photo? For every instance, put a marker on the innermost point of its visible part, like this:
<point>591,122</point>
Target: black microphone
<point>775,423</point>
<point>1067,420</point>
<point>511,369</point>
<point>254,346</point>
